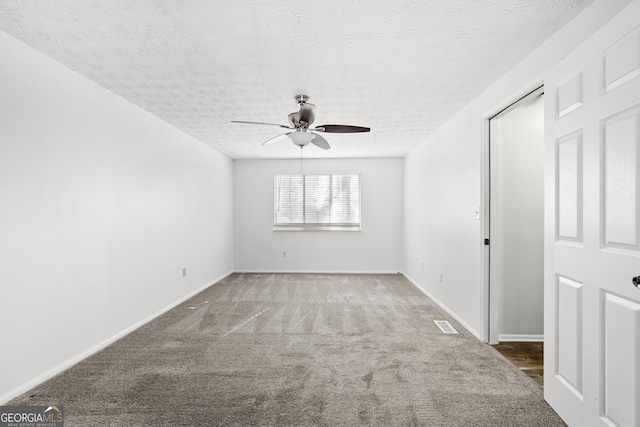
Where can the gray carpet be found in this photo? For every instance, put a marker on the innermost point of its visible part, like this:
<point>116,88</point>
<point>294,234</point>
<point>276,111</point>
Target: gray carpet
<point>298,350</point>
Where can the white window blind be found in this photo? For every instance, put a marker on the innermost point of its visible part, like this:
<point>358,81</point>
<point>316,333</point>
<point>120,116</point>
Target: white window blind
<point>317,202</point>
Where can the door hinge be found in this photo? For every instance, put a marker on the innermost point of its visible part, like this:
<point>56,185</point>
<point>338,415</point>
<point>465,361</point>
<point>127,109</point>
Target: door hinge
<point>486,241</point>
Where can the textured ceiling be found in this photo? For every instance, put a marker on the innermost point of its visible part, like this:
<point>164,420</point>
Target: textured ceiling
<point>400,67</point>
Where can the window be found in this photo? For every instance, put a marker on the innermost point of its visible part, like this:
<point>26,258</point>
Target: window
<point>317,202</point>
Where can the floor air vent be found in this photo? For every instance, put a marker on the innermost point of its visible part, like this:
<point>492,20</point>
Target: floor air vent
<point>445,327</point>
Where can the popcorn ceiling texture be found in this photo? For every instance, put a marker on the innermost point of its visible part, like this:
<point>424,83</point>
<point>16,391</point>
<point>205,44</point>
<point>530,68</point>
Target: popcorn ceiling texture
<point>400,67</point>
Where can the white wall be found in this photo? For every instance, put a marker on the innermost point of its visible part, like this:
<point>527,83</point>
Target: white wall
<point>377,248</point>
<point>102,205</point>
<point>443,179</point>
<point>517,220</point>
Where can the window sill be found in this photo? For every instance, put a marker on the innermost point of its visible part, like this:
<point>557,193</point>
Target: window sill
<point>327,228</point>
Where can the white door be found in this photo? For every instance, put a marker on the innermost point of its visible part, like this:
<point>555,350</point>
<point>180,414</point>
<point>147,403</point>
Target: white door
<point>592,228</point>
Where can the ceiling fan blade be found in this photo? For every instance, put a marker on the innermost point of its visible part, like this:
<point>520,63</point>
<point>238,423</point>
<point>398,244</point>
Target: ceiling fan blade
<point>341,129</point>
<point>307,113</point>
<point>276,138</point>
<point>261,123</point>
<point>320,142</point>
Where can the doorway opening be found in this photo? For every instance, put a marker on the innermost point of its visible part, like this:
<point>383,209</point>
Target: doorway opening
<point>514,223</point>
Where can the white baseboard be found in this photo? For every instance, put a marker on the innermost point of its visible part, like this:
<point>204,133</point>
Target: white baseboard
<point>89,352</point>
<point>444,307</point>
<point>312,272</point>
<point>520,338</point>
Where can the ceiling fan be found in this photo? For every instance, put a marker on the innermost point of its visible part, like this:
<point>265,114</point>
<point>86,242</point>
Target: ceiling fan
<point>299,121</point>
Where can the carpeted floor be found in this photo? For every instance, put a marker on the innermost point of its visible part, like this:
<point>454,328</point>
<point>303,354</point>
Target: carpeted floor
<point>298,350</point>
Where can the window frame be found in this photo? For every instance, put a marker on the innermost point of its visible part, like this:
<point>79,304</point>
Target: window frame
<point>315,226</point>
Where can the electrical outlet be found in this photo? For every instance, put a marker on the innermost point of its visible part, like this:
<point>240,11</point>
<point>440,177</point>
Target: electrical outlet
<point>284,254</point>
<point>184,271</point>
<point>441,277</point>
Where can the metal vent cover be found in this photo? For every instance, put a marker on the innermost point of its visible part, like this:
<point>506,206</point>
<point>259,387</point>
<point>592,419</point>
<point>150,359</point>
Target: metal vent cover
<point>445,327</point>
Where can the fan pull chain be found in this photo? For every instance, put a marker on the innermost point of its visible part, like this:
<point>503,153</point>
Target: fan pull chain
<point>301,161</point>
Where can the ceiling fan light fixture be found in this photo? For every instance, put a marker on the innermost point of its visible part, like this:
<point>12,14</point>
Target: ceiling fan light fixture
<point>301,138</point>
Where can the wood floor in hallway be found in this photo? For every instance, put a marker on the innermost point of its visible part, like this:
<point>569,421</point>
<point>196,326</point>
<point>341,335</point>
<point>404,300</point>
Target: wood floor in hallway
<point>528,356</point>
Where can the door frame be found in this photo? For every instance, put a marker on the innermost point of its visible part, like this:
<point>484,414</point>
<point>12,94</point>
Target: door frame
<point>490,311</point>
